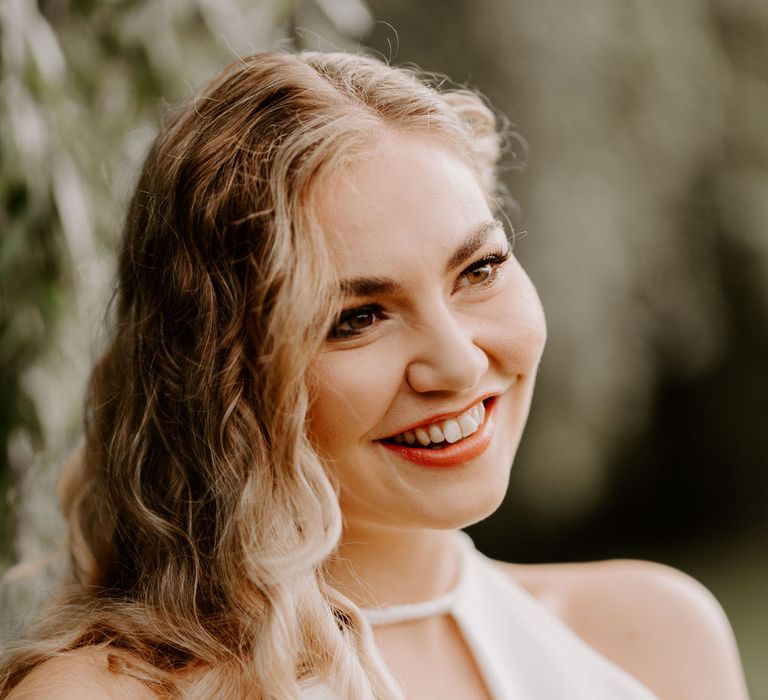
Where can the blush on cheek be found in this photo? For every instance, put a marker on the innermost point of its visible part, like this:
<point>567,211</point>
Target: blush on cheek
<point>352,390</point>
<point>525,330</point>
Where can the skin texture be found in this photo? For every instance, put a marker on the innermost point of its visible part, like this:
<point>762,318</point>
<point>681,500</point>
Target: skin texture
<point>439,343</point>
<point>442,341</point>
<point>657,623</point>
<point>81,675</point>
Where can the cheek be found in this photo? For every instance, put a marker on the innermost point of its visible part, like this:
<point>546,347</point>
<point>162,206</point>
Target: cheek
<point>530,327</point>
<point>515,328</point>
<point>352,391</point>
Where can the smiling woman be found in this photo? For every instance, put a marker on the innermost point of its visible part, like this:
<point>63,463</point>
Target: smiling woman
<point>322,361</point>
<point>447,336</point>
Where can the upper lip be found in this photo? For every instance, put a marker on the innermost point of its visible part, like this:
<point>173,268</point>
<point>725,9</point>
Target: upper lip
<point>443,416</point>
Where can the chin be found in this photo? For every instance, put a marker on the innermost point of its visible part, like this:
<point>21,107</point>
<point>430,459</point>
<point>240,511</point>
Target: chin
<point>473,503</point>
<point>482,509</point>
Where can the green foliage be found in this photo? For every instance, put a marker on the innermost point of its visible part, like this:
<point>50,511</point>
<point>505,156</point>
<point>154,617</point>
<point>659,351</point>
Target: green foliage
<point>82,84</point>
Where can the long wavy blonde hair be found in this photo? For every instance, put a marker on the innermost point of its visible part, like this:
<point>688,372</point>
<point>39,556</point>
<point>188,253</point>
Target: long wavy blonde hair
<point>199,514</point>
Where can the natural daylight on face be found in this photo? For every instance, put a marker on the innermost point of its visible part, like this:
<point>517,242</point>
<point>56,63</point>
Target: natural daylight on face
<point>423,387</point>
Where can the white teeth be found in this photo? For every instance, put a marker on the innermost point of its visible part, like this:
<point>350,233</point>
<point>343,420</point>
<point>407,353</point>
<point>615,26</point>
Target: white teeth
<point>467,423</point>
<point>422,436</point>
<point>435,434</point>
<point>451,430</point>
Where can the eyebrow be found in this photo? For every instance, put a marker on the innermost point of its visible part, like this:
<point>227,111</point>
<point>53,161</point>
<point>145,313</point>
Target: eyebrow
<point>474,242</point>
<point>373,286</point>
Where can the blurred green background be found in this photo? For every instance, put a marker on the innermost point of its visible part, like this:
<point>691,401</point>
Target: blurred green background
<point>645,207</point>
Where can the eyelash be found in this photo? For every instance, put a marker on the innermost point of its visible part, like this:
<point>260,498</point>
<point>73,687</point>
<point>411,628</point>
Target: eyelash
<point>495,260</point>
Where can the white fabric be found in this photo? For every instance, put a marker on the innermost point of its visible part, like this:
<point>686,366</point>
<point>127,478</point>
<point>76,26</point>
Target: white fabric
<point>523,651</point>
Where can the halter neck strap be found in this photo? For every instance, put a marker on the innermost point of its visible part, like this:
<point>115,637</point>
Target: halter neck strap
<point>407,612</point>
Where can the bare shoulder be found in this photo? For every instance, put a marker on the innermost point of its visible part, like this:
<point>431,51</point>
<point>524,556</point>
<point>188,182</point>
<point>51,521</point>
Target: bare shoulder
<point>659,624</point>
<point>80,675</point>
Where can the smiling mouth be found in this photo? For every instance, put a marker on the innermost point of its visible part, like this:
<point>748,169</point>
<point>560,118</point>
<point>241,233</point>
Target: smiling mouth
<point>444,433</point>
<point>440,451</point>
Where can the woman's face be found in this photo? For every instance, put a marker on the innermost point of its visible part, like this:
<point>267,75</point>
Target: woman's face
<point>439,342</point>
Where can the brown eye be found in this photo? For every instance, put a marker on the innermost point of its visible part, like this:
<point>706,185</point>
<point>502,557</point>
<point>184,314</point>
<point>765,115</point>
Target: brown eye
<point>354,322</point>
<point>478,275</point>
<point>483,272</point>
<point>360,320</point>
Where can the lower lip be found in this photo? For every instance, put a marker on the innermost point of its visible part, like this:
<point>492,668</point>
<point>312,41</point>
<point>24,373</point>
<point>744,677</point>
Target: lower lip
<point>456,454</point>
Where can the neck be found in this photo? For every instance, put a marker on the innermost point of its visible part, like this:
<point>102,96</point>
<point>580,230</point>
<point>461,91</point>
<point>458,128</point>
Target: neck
<point>375,567</point>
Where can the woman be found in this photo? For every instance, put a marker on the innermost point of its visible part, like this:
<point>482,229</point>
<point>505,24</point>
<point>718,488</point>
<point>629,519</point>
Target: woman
<point>322,361</point>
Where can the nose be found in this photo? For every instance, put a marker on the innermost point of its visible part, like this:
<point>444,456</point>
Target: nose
<point>446,356</point>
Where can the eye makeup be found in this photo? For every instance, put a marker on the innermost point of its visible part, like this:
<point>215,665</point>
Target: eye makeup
<point>355,321</point>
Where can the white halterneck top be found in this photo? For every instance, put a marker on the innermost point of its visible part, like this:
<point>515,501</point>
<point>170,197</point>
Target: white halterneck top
<point>523,650</point>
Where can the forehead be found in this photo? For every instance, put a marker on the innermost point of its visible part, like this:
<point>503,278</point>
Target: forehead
<point>408,198</point>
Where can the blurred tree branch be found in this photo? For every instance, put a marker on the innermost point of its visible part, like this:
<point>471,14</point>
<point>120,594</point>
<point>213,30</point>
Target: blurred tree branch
<point>82,86</point>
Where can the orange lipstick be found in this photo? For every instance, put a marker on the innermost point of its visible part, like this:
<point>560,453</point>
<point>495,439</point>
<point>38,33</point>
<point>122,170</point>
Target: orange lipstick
<point>451,455</point>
